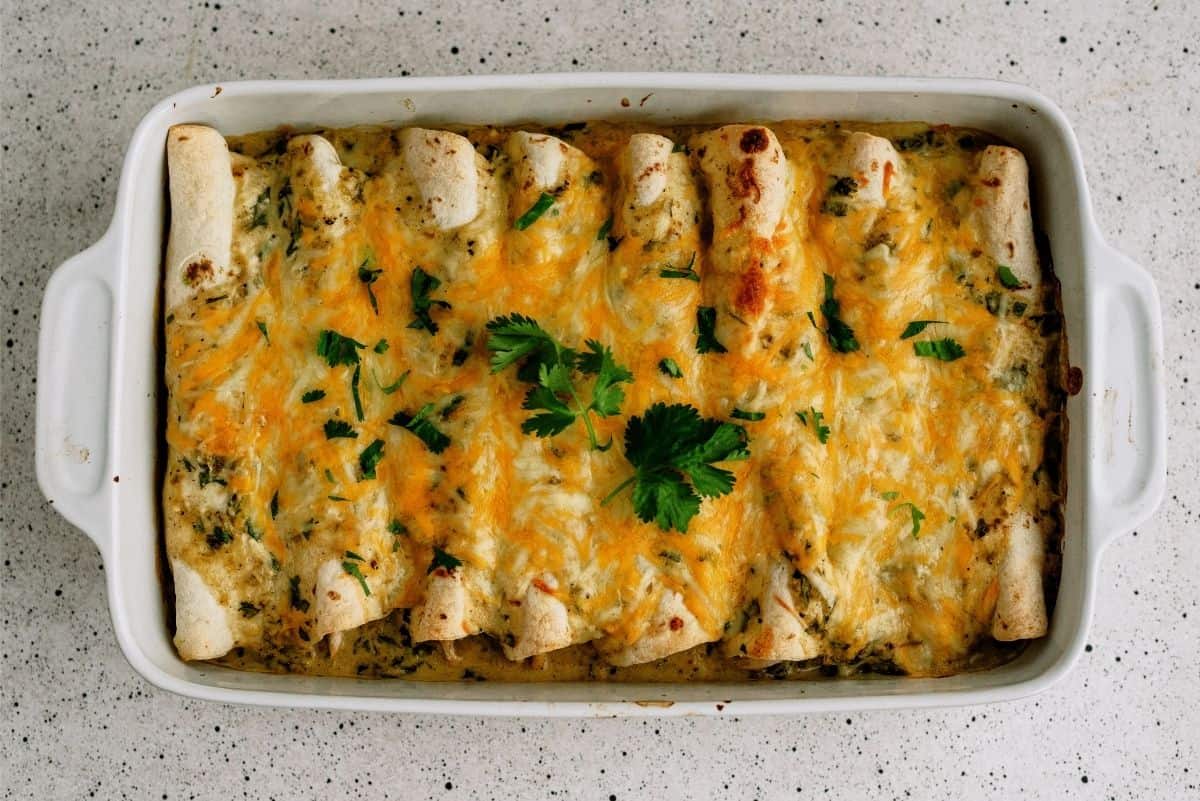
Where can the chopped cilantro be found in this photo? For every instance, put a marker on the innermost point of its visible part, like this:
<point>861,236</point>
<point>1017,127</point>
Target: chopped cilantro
<point>917,515</point>
<point>397,528</point>
<point>339,429</point>
<point>258,215</point>
<point>424,430</point>
<point>312,396</point>
<point>218,537</point>
<point>1008,279</point>
<point>841,336</point>
<point>369,458</point>
<point>392,387</point>
<point>605,229</point>
<point>296,600</point>
<point>422,285</point>
<point>539,207</point>
<point>443,560</point>
<point>742,414</point>
<point>668,366</point>
<point>252,532</point>
<point>673,451</point>
<point>275,505</point>
<point>263,328</point>
<point>248,609</point>
<point>946,350</point>
<point>917,326</point>
<point>354,378</point>
<point>337,349</point>
<point>688,271</point>
<point>890,495</point>
<point>381,346</point>
<point>351,567</point>
<point>815,418</point>
<point>706,331</point>
<point>368,276</point>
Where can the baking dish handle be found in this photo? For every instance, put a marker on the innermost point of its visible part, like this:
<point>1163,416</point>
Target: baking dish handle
<point>1129,441</point>
<point>72,447</point>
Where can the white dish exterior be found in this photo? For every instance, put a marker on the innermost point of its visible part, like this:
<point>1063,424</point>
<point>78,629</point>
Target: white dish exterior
<point>98,427</point>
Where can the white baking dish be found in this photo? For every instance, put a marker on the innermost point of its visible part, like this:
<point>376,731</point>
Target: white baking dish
<point>98,430</point>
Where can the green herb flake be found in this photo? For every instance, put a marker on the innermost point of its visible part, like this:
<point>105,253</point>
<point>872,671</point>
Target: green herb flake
<point>1008,279</point>
<point>312,396</point>
<point>840,335</point>
<point>248,610</point>
<point>540,207</point>
<point>351,568</point>
<point>605,230</point>
<point>422,428</point>
<point>397,528</point>
<point>674,452</point>
<point>258,215</point>
<point>742,414</point>
<point>275,505</point>
<point>392,387</point>
<point>369,459</point>
<point>252,532</point>
<point>422,285</point>
<point>815,419</point>
<point>890,495</point>
<point>946,350</point>
<point>381,346</point>
<point>369,276</point>
<point>336,349</point>
<point>443,560</point>
<point>688,271</point>
<point>917,515</point>
<point>917,326</point>
<point>262,327</point>
<point>218,537</point>
<point>339,429</point>
<point>668,366</point>
<point>706,331</point>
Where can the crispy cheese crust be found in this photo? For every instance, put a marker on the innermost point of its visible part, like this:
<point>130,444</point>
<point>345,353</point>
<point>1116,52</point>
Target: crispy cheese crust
<point>348,482</point>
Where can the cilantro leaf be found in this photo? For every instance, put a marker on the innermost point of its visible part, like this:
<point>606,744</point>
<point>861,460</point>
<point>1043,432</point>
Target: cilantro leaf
<point>917,326</point>
<point>218,537</point>
<point>369,276</point>
<point>815,417</point>
<point>421,285</point>
<point>605,229</point>
<point>742,414</point>
<point>673,451</point>
<point>441,559</point>
<point>381,346</point>
<point>369,458</point>
<point>946,350</point>
<point>335,429</point>
<point>706,331</point>
<point>351,568</point>
<point>668,366</point>
<point>392,387</point>
<point>337,349</point>
<point>424,430</point>
<point>258,215</point>
<point>1008,279</point>
<point>840,335</point>
<point>917,515</point>
<point>539,207</point>
<point>551,367</point>
<point>354,378</point>
<point>262,327</point>
<point>687,271</point>
<point>312,395</point>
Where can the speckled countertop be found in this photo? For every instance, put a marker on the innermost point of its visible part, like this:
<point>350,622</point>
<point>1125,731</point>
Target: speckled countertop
<point>77,722</point>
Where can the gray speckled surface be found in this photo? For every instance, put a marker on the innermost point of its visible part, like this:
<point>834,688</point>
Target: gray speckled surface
<point>77,722</point>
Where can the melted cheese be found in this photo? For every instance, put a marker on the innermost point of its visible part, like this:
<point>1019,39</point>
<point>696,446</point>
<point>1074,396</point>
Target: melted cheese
<point>812,557</point>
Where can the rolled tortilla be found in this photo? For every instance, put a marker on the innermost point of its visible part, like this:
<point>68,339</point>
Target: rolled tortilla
<point>874,165</point>
<point>317,175</point>
<point>1021,605</point>
<point>203,625</point>
<point>776,631</point>
<point>202,194</point>
<point>543,623</point>
<point>341,602</point>
<point>747,176</point>
<point>673,628</point>
<point>445,168</point>
<point>1003,214</point>
<point>539,160</point>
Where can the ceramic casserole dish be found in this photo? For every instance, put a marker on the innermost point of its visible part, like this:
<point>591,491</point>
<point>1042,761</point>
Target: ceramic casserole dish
<point>98,412</point>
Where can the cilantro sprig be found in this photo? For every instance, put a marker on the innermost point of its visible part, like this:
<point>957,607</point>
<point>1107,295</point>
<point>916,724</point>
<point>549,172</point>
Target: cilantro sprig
<point>421,427</point>
<point>422,285</point>
<point>840,335</point>
<point>552,368</point>
<point>674,451</point>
